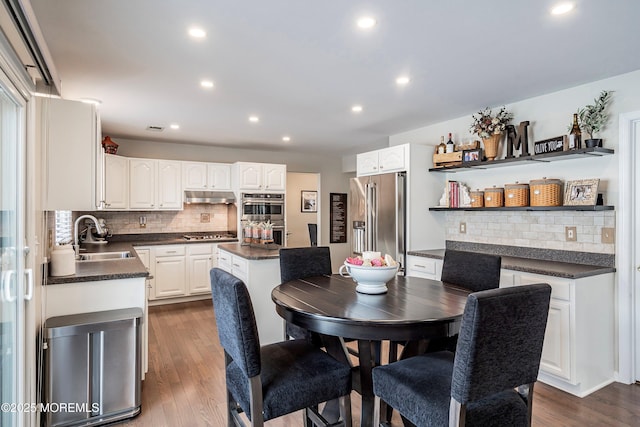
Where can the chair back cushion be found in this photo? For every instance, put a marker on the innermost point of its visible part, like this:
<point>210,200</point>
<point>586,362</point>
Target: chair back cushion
<point>500,341</point>
<point>313,234</point>
<point>471,270</point>
<point>298,263</point>
<point>236,321</point>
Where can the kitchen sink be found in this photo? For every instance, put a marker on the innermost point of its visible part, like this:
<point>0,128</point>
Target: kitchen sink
<point>104,256</point>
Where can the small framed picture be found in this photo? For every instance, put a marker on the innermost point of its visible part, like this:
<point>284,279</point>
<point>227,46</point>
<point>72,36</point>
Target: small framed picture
<point>309,201</point>
<point>470,156</point>
<point>582,192</point>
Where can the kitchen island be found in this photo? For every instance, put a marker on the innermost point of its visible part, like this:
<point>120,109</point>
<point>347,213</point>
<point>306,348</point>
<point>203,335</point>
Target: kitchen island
<point>259,268</point>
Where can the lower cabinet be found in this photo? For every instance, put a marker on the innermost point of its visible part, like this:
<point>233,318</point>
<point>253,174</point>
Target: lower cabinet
<point>578,351</point>
<point>427,268</point>
<point>260,276</point>
<point>200,260</point>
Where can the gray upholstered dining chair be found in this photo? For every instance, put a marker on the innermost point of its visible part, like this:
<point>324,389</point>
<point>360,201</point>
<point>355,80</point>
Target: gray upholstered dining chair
<point>471,270</point>
<point>277,379</point>
<point>489,380</point>
<point>298,263</point>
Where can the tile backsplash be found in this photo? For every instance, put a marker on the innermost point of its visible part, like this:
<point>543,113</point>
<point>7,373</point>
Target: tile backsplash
<point>539,229</point>
<point>192,219</point>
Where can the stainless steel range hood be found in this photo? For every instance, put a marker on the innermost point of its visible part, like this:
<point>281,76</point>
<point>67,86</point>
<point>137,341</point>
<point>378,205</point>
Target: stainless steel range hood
<point>210,197</point>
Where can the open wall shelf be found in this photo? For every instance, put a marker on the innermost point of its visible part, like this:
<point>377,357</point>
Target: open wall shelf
<point>540,158</point>
<point>531,208</point>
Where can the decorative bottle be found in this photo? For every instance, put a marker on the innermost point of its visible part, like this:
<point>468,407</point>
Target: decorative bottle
<point>575,136</point>
<point>442,147</point>
<point>450,144</point>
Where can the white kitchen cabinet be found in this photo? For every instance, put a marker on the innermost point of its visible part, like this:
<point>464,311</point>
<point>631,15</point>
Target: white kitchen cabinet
<point>155,184</point>
<point>116,185</point>
<point>427,268</point>
<point>392,159</point>
<point>145,256</point>
<point>578,351</point>
<point>142,182</point>
<point>260,276</point>
<point>206,176</point>
<point>200,262</point>
<point>170,271</point>
<point>69,133</point>
<point>261,176</point>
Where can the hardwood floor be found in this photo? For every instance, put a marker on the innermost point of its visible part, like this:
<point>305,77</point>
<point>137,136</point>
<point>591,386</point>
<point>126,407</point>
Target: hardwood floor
<point>185,382</point>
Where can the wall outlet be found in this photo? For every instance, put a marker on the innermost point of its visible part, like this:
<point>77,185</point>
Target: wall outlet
<point>205,217</point>
<point>463,227</point>
<point>143,221</point>
<point>608,235</point>
<point>571,234</point>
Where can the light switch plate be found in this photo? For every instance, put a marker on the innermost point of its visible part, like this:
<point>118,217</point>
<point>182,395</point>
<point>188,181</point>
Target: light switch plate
<point>571,234</point>
<point>608,235</point>
<point>463,227</point>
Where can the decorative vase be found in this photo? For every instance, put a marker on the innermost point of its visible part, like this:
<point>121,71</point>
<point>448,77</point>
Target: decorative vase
<point>491,145</point>
<point>110,147</point>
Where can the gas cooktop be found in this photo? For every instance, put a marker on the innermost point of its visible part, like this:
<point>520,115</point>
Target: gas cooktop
<point>208,236</point>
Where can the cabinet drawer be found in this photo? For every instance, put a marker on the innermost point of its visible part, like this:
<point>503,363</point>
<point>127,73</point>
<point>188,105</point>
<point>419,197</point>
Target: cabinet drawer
<point>224,261</point>
<point>422,265</point>
<point>240,265</point>
<point>174,250</point>
<point>559,289</point>
<point>199,249</point>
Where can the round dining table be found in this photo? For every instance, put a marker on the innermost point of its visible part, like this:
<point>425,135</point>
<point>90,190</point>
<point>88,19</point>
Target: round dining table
<point>412,310</point>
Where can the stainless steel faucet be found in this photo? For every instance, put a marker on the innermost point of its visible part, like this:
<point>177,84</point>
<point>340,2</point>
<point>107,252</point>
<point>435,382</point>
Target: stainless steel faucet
<point>76,244</point>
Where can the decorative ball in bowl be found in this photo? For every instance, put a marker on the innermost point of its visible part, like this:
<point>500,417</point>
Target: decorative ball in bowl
<point>371,279</point>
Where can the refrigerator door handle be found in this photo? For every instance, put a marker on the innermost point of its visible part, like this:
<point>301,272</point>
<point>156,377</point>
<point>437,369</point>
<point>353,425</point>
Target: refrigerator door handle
<point>372,217</point>
<point>401,194</point>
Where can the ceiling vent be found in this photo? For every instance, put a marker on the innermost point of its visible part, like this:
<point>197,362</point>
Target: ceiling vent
<point>155,128</point>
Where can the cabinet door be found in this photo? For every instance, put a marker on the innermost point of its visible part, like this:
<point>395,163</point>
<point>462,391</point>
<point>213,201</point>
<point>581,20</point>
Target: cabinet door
<point>556,351</point>
<point>224,261</point>
<point>219,176</point>
<point>116,185</point>
<point>367,163</point>
<point>142,190</point>
<point>199,267</point>
<point>170,276</point>
<point>195,175</point>
<point>275,177</point>
<point>169,185</point>
<point>69,127</point>
<point>250,176</point>
<point>391,159</point>
<point>427,268</point>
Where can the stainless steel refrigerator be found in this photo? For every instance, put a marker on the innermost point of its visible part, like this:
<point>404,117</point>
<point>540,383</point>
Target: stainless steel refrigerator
<point>378,215</point>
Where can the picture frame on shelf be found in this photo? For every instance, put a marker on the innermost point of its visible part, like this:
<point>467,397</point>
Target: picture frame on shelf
<point>309,201</point>
<point>582,192</point>
<point>472,156</point>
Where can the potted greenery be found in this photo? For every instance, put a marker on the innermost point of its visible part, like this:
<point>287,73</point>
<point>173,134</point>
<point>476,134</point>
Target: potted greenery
<point>593,118</point>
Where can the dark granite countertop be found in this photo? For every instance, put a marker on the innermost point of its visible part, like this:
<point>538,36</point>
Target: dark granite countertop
<point>126,268</point>
<point>251,252</point>
<point>529,265</point>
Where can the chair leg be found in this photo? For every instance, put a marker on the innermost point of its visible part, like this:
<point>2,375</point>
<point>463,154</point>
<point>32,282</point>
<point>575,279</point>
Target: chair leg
<point>345,410</point>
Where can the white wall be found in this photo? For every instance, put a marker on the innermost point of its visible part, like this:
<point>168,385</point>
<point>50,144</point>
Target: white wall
<point>332,178</point>
<point>549,116</point>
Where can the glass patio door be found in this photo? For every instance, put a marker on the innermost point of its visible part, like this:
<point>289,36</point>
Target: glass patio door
<point>13,278</point>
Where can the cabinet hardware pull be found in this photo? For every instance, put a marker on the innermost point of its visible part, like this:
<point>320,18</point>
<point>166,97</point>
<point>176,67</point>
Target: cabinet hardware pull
<point>171,252</point>
<point>236,265</point>
<point>421,266</point>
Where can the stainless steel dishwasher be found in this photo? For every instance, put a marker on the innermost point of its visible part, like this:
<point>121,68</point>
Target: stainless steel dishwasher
<point>92,368</point>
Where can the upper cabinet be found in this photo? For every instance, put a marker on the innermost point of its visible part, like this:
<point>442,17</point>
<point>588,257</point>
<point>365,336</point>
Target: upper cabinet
<point>376,162</point>
<point>155,184</point>
<point>206,176</point>
<point>69,130</point>
<point>261,176</point>
<point>116,182</point>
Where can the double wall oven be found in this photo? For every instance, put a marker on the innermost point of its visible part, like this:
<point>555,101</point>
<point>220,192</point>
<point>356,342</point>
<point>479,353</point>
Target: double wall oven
<point>262,207</point>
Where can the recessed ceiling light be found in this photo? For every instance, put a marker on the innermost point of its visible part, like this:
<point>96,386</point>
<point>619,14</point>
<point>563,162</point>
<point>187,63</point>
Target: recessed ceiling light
<point>562,8</point>
<point>356,108</point>
<point>91,101</point>
<point>207,84</point>
<point>174,126</point>
<point>254,119</point>
<point>197,33</point>
<point>286,138</point>
<point>402,80</point>
<point>366,22</point>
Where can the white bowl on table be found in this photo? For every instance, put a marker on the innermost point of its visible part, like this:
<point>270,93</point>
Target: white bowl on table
<point>370,280</point>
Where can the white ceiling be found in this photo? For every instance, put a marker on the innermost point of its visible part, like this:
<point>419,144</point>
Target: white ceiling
<point>301,65</point>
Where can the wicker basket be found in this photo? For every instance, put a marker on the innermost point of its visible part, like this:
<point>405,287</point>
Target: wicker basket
<point>477,198</point>
<point>545,192</point>
<point>494,197</point>
<point>516,195</point>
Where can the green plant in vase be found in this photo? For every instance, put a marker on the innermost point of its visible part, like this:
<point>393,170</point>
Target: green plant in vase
<point>593,118</point>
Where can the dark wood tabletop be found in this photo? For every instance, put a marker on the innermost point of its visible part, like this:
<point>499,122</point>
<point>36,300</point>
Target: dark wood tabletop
<point>412,309</point>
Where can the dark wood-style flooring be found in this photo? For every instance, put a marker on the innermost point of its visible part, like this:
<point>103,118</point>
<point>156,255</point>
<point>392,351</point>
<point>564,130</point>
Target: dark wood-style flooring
<point>185,382</point>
